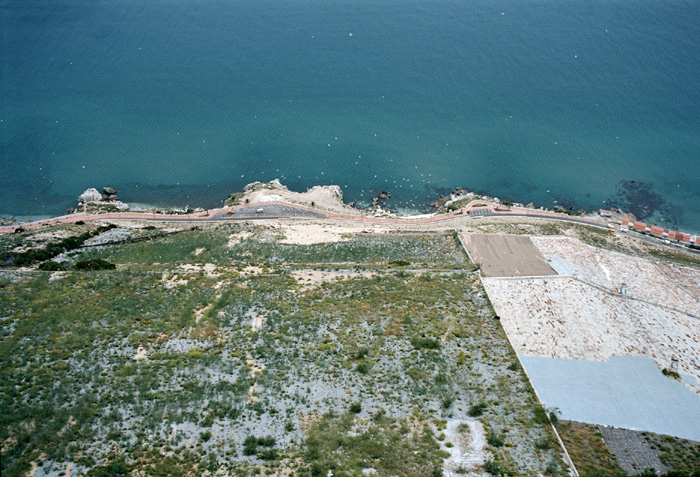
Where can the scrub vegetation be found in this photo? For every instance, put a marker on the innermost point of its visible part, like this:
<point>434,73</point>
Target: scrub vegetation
<point>205,351</point>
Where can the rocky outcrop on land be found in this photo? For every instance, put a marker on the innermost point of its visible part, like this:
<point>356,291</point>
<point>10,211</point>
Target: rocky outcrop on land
<point>612,214</point>
<point>458,193</point>
<point>92,197</point>
<point>328,197</point>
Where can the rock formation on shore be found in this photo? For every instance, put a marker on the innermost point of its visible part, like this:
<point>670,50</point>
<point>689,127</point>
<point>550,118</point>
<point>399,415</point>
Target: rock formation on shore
<point>93,197</point>
<point>458,193</point>
<point>328,197</point>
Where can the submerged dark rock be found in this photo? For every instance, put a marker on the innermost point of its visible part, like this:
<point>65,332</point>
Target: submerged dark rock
<point>380,200</point>
<point>638,198</point>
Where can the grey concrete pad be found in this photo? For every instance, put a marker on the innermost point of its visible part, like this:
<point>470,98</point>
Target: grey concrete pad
<point>625,391</point>
<point>562,266</point>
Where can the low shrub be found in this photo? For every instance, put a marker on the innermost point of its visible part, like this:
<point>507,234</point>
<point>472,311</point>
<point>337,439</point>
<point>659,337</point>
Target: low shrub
<point>425,343</point>
<point>494,440</point>
<point>477,410</point>
<point>362,368</point>
<point>51,266</point>
<point>493,467</point>
<point>670,373</point>
<point>94,264</point>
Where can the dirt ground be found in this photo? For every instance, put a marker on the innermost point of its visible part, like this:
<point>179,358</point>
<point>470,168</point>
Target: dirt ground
<point>507,256</point>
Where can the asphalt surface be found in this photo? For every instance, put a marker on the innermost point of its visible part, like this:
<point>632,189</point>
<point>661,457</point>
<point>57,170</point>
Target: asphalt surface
<point>267,211</point>
<point>277,210</point>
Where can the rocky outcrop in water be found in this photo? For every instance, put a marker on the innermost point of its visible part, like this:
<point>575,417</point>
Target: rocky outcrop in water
<point>379,201</point>
<point>457,194</point>
<point>89,196</point>
<point>93,197</point>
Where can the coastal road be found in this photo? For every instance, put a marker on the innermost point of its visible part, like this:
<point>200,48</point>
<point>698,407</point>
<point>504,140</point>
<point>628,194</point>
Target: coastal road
<point>268,210</point>
<point>284,210</point>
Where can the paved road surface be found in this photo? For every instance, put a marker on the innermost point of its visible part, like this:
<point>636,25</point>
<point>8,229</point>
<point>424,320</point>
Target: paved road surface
<point>267,211</point>
<point>282,210</point>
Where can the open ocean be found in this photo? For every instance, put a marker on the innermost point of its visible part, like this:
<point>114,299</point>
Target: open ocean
<point>181,102</point>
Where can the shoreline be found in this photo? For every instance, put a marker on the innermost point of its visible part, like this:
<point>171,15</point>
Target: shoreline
<point>327,202</point>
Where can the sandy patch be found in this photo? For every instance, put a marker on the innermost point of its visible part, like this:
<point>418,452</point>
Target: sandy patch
<point>35,465</point>
<point>209,269</point>
<point>307,234</point>
<point>235,239</point>
<point>251,271</point>
<point>199,314</point>
<point>199,251</point>
<point>68,470</point>
<point>140,354</point>
<point>257,322</point>
<point>313,278</point>
<point>253,397</point>
<point>469,446</point>
<point>255,369</point>
<point>56,276</point>
<point>221,284</point>
<point>308,420</point>
<point>173,281</point>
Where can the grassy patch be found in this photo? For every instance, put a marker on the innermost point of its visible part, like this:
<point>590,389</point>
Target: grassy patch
<point>586,447</point>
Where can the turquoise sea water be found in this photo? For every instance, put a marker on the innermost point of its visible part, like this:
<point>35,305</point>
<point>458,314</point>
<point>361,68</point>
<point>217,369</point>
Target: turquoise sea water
<point>182,102</point>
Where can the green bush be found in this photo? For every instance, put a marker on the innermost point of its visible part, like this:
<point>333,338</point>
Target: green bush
<point>425,343</point>
<point>356,407</point>
<point>361,353</point>
<point>544,444</point>
<point>268,454</point>
<point>540,414</point>
<point>493,467</point>
<point>50,250</point>
<point>94,264</point>
<point>250,445</point>
<point>494,440</point>
<point>113,469</point>
<point>671,373</point>
<point>476,410</point>
<point>447,402</point>
<point>51,266</point>
<point>362,368</point>
<point>400,263</point>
